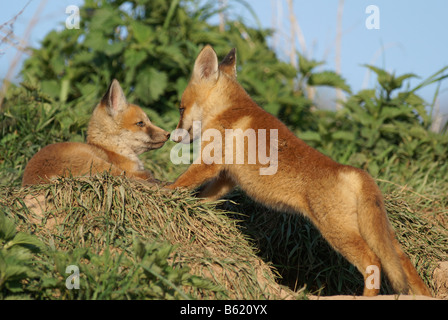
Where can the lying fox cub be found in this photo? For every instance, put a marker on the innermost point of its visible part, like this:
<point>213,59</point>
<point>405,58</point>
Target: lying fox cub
<point>118,132</point>
<point>343,202</point>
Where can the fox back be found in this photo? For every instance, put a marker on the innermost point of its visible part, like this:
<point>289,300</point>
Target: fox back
<point>117,133</point>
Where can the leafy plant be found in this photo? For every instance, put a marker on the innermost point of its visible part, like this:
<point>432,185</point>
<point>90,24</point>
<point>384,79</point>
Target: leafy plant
<point>381,126</point>
<point>150,47</point>
<point>128,241</point>
<point>16,252</point>
<point>307,79</point>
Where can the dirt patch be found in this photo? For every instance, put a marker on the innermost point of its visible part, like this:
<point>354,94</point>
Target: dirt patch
<point>440,277</point>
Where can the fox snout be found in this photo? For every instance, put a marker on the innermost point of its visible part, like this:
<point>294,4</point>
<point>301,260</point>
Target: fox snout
<point>158,136</point>
<point>163,136</point>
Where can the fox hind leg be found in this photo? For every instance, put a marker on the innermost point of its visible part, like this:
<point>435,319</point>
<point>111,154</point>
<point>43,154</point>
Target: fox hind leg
<point>356,250</point>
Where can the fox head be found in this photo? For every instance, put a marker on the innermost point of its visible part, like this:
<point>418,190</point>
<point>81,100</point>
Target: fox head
<point>208,91</point>
<point>122,126</point>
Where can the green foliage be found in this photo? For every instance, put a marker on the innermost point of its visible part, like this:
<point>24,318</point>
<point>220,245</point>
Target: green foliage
<point>306,80</point>
<point>165,280</point>
<point>29,269</point>
<point>381,127</point>
<point>128,241</point>
<point>145,275</point>
<point>31,120</point>
<point>312,78</point>
<point>16,252</point>
<point>150,47</point>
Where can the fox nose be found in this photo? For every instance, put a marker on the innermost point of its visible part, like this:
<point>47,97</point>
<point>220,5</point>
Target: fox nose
<point>167,135</point>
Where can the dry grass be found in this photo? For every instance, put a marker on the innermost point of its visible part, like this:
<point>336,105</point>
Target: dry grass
<point>111,212</point>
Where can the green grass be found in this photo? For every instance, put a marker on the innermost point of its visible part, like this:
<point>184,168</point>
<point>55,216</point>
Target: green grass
<point>136,243</point>
<point>132,242</point>
<point>233,249</point>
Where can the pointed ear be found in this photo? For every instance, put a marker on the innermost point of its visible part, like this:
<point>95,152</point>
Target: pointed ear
<point>228,64</point>
<point>206,65</point>
<point>114,99</point>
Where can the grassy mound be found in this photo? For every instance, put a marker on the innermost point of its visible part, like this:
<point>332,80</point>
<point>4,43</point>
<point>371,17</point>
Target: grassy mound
<point>123,234</point>
<point>131,241</point>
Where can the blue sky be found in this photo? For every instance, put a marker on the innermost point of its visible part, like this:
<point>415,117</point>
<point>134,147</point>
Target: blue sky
<point>411,39</point>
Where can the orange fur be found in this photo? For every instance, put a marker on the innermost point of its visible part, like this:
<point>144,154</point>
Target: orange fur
<point>343,202</point>
<point>118,132</point>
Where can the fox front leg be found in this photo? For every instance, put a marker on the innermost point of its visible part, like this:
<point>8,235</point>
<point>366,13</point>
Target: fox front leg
<point>218,187</point>
<point>195,176</point>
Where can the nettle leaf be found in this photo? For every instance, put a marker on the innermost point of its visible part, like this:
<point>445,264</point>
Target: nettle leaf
<point>307,65</point>
<point>173,54</point>
<point>142,32</point>
<point>105,19</point>
<point>95,40</point>
<point>83,57</point>
<point>7,229</point>
<point>328,78</point>
<point>393,112</point>
<point>382,75</point>
<point>399,80</point>
<point>28,241</point>
<point>114,48</point>
<point>133,57</point>
<point>272,107</point>
<point>411,98</point>
<point>151,84</point>
<point>58,64</point>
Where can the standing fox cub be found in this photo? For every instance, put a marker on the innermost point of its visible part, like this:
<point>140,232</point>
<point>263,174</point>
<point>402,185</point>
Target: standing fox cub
<point>118,132</point>
<point>343,202</point>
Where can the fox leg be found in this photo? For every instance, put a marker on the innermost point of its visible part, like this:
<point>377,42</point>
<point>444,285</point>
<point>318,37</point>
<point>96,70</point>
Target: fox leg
<point>195,176</point>
<point>217,188</point>
<point>356,250</point>
<point>343,234</point>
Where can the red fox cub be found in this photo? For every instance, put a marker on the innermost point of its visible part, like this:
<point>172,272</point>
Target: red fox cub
<point>343,202</point>
<point>118,132</point>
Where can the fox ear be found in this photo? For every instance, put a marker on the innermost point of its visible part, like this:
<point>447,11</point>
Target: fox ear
<point>206,65</point>
<point>114,99</point>
<point>228,64</point>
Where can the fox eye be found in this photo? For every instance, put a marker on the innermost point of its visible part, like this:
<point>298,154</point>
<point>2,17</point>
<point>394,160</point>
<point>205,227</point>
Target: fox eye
<point>140,124</point>
<point>181,111</point>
